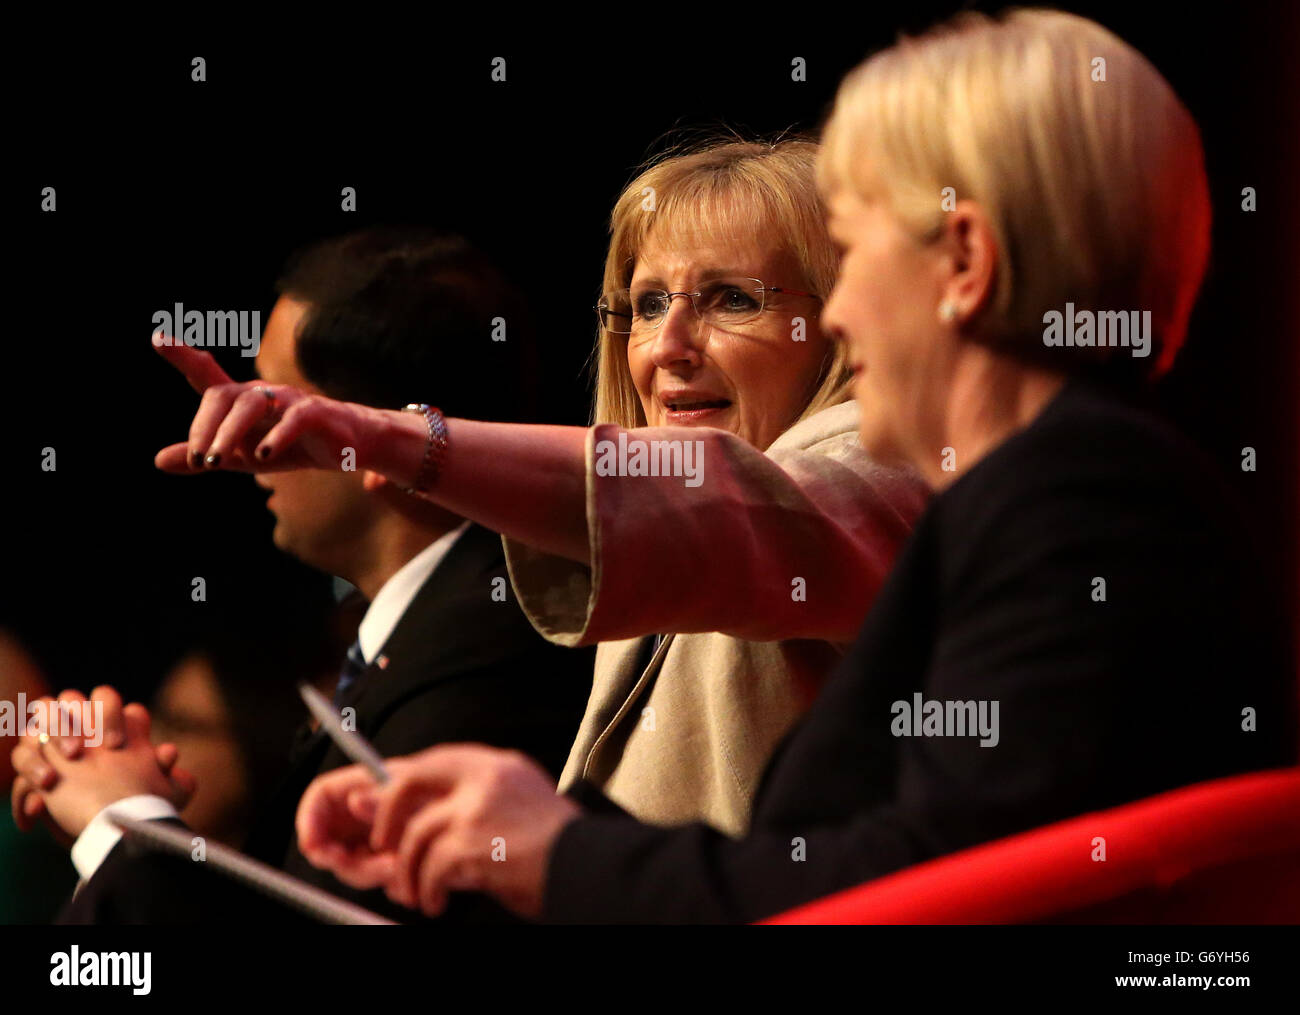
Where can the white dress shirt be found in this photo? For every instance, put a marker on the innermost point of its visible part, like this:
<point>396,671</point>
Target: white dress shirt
<point>99,837</point>
<point>391,601</point>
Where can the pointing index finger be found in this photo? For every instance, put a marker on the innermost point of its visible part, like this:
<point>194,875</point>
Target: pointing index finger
<point>199,367</point>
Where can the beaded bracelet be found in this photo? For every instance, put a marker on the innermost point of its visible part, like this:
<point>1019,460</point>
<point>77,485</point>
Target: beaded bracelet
<point>435,451</point>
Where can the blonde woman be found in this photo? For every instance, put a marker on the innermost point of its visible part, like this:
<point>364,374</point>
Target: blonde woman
<point>722,587</point>
<point>1071,625</point>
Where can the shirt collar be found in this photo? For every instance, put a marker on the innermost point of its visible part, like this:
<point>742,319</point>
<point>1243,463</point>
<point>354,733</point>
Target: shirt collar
<point>392,600</point>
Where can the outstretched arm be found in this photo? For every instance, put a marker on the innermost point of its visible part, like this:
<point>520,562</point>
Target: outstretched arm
<point>524,481</point>
<point>789,544</point>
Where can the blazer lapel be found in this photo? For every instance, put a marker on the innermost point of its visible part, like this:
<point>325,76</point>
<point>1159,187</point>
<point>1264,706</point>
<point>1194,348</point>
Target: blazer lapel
<point>431,640</point>
<point>621,683</point>
<point>404,659</point>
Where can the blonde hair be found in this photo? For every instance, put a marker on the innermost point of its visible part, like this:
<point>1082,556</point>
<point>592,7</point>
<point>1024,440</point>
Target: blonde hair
<point>718,188</point>
<point>1088,165</point>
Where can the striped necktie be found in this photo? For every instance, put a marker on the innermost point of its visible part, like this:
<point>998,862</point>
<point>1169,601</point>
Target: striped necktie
<point>353,669</point>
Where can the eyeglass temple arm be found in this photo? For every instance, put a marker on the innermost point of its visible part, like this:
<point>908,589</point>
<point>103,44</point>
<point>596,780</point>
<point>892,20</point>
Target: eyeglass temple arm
<point>789,292</point>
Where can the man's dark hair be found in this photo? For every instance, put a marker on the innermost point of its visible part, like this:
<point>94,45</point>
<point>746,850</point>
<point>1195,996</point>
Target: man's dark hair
<point>409,314</point>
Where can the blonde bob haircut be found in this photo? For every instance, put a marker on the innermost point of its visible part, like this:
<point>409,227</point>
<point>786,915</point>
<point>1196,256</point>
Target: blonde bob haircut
<point>1087,164</point>
<point>714,191</point>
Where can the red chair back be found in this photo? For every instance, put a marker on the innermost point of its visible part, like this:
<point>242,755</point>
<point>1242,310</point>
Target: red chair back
<point>1226,851</point>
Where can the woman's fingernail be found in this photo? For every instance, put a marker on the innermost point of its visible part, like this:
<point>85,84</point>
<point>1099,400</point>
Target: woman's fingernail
<point>264,451</point>
<point>213,461</point>
<point>196,460</point>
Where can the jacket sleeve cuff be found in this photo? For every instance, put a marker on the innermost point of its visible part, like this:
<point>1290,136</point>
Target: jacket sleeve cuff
<point>556,594</point>
<point>609,868</point>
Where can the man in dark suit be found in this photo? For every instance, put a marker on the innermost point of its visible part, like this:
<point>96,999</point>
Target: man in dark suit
<point>442,653</point>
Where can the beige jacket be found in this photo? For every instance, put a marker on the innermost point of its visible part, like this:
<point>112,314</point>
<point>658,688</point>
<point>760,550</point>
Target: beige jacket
<point>759,577</point>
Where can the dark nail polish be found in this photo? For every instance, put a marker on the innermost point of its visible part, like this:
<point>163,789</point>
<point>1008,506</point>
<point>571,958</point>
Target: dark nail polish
<point>196,460</point>
<point>264,451</point>
<point>213,460</point>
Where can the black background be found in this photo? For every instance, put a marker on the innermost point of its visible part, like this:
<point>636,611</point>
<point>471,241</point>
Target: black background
<point>728,969</point>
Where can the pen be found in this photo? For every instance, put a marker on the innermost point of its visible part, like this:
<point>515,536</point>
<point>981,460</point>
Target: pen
<point>350,742</point>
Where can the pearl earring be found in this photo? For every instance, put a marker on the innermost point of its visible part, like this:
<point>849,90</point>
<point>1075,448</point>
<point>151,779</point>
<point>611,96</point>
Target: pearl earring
<point>947,311</point>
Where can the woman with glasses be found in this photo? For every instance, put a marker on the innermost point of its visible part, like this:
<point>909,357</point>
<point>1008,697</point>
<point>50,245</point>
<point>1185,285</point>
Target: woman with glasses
<point>719,531</point>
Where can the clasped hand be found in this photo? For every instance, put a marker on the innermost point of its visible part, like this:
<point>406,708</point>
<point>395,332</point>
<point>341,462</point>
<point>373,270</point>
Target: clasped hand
<point>66,781</point>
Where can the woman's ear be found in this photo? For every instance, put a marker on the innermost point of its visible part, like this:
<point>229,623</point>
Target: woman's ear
<point>972,248</point>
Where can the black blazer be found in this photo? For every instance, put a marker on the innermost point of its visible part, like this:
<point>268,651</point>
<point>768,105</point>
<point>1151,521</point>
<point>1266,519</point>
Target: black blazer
<point>993,598</point>
<point>460,667</point>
